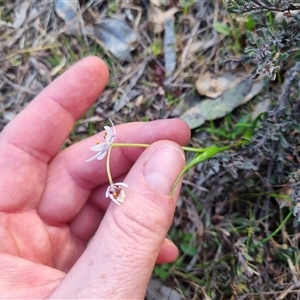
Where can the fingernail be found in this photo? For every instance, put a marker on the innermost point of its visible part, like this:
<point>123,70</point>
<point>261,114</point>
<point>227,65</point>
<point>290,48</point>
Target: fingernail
<point>163,167</point>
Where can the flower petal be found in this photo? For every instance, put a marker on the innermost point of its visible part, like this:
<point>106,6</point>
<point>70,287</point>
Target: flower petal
<point>121,197</point>
<point>116,193</point>
<point>101,155</point>
<point>121,184</point>
<point>102,148</point>
<point>92,158</point>
<point>99,147</point>
<point>110,134</point>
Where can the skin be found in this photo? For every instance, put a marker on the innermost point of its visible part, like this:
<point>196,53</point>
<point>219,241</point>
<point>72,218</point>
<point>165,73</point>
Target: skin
<point>52,203</point>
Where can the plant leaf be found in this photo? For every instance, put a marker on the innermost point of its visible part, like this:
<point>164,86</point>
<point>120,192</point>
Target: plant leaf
<point>221,28</point>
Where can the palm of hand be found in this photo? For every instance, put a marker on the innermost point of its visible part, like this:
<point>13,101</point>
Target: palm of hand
<point>31,234</point>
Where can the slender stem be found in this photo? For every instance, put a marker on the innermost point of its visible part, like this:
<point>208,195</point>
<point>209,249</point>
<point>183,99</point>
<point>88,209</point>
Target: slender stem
<point>129,145</point>
<point>190,149</point>
<point>275,231</point>
<point>107,166</point>
<point>176,182</point>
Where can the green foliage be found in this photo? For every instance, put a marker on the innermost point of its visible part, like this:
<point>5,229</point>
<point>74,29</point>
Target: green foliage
<point>221,28</point>
<point>162,271</point>
<point>172,101</point>
<point>54,60</point>
<point>156,47</point>
<point>186,5</point>
<point>270,46</point>
<point>112,7</point>
<point>243,128</point>
<point>187,246</point>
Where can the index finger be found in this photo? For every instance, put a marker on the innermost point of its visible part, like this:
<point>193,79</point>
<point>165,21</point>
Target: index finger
<point>43,126</point>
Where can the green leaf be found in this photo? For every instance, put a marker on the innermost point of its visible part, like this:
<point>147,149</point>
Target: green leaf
<point>270,17</point>
<point>250,37</point>
<point>284,24</point>
<point>283,142</point>
<point>208,153</point>
<point>283,56</point>
<point>247,256</point>
<point>259,42</point>
<point>297,127</point>
<point>296,57</point>
<point>260,33</point>
<point>189,250</point>
<point>162,271</point>
<point>250,24</point>
<point>249,132</point>
<point>221,28</point>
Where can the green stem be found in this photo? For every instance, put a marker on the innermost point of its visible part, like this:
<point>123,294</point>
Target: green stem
<point>190,149</point>
<point>129,145</point>
<point>107,166</point>
<point>269,237</point>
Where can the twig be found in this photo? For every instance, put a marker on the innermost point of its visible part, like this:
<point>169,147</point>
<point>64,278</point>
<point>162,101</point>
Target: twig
<point>289,290</point>
<point>269,6</point>
<point>285,94</point>
<point>16,86</point>
<point>124,99</point>
<point>200,188</point>
<point>270,236</point>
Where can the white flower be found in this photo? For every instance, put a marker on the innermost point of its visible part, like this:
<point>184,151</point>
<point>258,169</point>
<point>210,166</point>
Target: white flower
<point>116,193</point>
<point>102,148</point>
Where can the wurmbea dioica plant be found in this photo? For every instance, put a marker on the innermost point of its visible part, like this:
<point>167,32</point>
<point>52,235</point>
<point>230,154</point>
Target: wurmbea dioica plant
<point>115,191</point>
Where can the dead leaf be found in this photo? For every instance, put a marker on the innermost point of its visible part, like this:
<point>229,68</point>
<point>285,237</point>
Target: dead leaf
<point>69,12</point>
<point>157,290</point>
<point>157,17</point>
<point>158,2</point>
<point>20,14</point>
<point>139,100</point>
<point>169,47</point>
<point>39,66</point>
<point>117,37</point>
<point>283,198</point>
<point>213,109</point>
<point>257,86</point>
<point>130,92</point>
<point>212,85</point>
<point>204,44</point>
<point>259,108</point>
<point>66,10</point>
<point>279,16</point>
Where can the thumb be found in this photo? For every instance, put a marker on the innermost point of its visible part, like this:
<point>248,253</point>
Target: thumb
<point>118,262</point>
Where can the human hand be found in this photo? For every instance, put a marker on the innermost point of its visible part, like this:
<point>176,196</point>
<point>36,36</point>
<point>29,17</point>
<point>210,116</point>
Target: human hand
<point>52,203</point>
